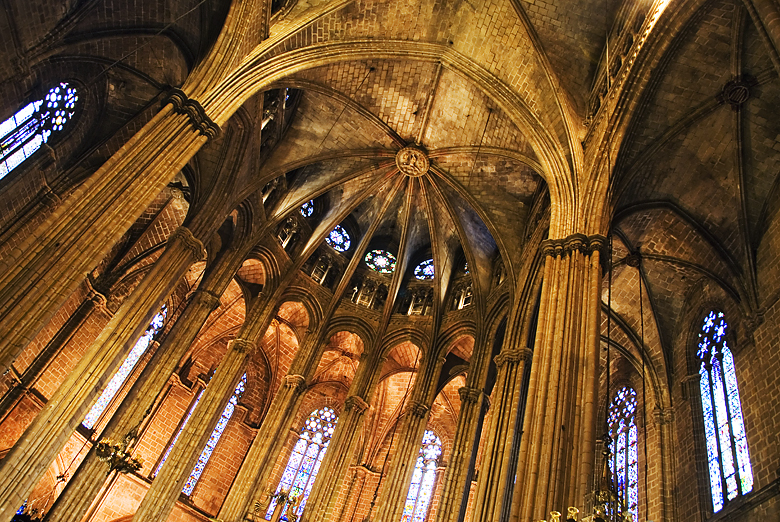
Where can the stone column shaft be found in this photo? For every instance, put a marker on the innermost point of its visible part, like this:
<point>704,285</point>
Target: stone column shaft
<point>556,451</point>
<point>495,471</point>
<point>326,490</point>
<point>89,478</point>
<point>52,349</point>
<point>250,484</point>
<point>46,268</point>
<point>456,476</point>
<point>28,460</point>
<point>164,491</point>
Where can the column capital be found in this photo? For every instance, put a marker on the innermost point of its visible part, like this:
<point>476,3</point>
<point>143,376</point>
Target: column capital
<point>183,104</point>
<point>208,298</point>
<point>296,382</point>
<point>418,409</point>
<point>356,403</point>
<point>189,241</point>
<point>242,345</point>
<point>575,242</point>
<point>469,394</point>
<point>663,417</point>
<point>515,355</point>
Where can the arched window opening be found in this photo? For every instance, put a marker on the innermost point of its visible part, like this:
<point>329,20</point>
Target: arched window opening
<point>304,462</point>
<point>624,463</point>
<point>205,455</point>
<point>380,261</point>
<point>124,371</point>
<point>724,428</point>
<point>418,499</point>
<point>339,239</point>
<point>23,133</point>
<point>178,433</point>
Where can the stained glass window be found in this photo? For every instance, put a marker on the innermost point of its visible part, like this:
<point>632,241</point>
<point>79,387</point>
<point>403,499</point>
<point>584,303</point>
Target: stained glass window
<point>126,369</point>
<point>24,132</point>
<point>304,462</point>
<point>624,462</point>
<point>381,261</point>
<point>181,428</point>
<point>214,438</point>
<point>418,498</point>
<point>466,269</point>
<point>424,270</point>
<point>307,209</point>
<point>339,239</point>
<point>724,428</point>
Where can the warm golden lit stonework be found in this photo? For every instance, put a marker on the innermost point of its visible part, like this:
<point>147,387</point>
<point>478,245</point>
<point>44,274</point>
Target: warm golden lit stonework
<point>412,161</point>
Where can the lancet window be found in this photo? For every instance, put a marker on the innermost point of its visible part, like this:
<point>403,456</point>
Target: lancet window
<point>418,499</point>
<point>124,371</point>
<point>303,464</point>
<point>216,434</point>
<point>623,462</point>
<point>730,472</point>
<point>178,433</point>
<point>23,133</point>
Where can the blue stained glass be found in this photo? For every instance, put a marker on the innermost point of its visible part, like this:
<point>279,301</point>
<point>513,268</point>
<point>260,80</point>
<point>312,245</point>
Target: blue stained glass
<point>724,427</point>
<point>621,417</point>
<point>424,270</point>
<point>126,369</point>
<point>205,455</point>
<point>21,509</point>
<point>423,479</point>
<point>181,428</point>
<point>339,239</point>
<point>23,133</point>
<point>380,261</point>
<point>304,462</point>
<point>307,209</point>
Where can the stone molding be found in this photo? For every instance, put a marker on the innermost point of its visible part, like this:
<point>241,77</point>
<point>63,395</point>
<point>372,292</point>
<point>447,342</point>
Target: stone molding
<point>514,355</point>
<point>575,242</point>
<point>418,409</point>
<point>689,384</point>
<point>209,299</point>
<point>242,345</point>
<point>469,394</point>
<point>663,417</point>
<point>356,403</point>
<point>183,104</point>
<point>189,241</point>
<point>296,382</point>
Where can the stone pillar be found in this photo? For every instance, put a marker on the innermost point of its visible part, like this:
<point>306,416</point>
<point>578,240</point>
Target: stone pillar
<point>398,478</point>
<point>90,476</point>
<point>167,485</point>
<point>38,275</point>
<point>496,476</point>
<point>249,485</point>
<point>52,349</point>
<point>457,475</point>
<point>557,451</point>
<point>341,450</point>
<point>28,460</point>
<point>335,465</point>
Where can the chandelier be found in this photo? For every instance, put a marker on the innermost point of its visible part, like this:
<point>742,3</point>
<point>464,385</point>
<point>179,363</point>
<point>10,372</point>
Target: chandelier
<point>117,456</point>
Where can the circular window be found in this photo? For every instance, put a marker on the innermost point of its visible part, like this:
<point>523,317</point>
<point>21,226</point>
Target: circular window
<point>339,239</point>
<point>381,261</point>
<point>307,209</point>
<point>424,270</point>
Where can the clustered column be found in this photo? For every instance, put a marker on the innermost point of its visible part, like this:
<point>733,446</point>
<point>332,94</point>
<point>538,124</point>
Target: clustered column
<point>557,449</point>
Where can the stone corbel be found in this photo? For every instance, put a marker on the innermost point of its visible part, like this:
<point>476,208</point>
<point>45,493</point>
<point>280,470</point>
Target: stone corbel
<point>515,355</point>
<point>189,241</point>
<point>663,417</point>
<point>418,409</point>
<point>183,104</point>
<point>209,299</point>
<point>242,345</point>
<point>469,394</point>
<point>295,382</point>
<point>354,402</point>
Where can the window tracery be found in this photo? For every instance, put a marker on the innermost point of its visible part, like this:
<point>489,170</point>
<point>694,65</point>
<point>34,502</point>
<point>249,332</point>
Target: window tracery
<point>124,371</point>
<point>418,498</point>
<point>339,239</point>
<point>23,133</point>
<point>624,462</point>
<point>304,462</point>
<point>216,434</point>
<point>424,270</point>
<point>728,459</point>
<point>380,261</point>
<point>307,209</point>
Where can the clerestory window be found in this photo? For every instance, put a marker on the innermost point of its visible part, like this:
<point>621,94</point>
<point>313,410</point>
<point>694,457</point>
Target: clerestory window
<point>624,463</point>
<point>418,499</point>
